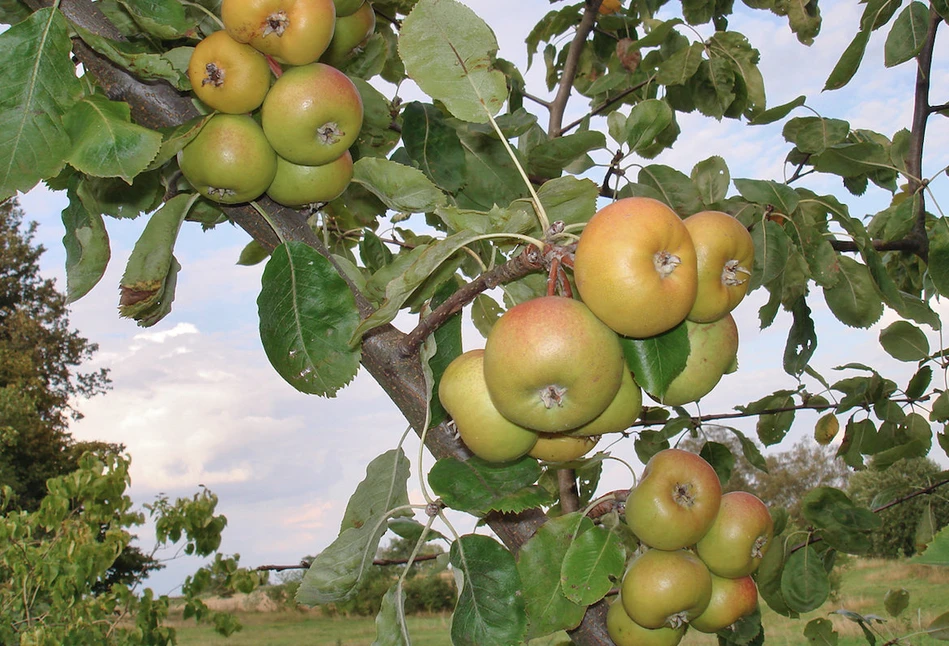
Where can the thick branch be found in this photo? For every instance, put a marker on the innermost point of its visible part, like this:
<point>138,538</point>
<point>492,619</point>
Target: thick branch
<point>559,105</point>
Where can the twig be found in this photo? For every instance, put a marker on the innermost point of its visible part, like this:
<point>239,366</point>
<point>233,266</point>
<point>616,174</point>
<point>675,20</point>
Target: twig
<point>603,107</point>
<point>559,105</point>
<point>305,565</point>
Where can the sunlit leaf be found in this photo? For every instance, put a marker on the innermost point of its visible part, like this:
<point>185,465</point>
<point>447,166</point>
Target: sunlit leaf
<point>711,179</point>
<point>593,564</point>
<point>656,361</point>
<point>477,486</point>
<point>908,34</point>
<point>854,300</point>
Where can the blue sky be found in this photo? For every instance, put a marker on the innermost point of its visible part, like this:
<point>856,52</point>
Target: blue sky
<point>196,401</point>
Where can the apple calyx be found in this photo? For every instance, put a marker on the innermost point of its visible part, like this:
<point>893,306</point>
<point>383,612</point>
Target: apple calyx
<point>683,494</point>
<point>757,548</point>
<point>677,620</point>
<point>276,23</point>
<point>220,192</point>
<point>213,75</point>
<point>731,274</point>
<point>552,396</point>
<point>329,133</point>
<point>666,263</point>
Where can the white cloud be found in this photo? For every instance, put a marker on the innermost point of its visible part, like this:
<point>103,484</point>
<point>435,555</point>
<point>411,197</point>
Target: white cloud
<point>161,336</point>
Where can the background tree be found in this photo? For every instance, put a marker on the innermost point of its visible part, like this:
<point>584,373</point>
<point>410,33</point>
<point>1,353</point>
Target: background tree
<point>907,527</point>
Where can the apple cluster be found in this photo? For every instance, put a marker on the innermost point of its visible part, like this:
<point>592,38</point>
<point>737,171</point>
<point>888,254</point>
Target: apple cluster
<point>643,271</point>
<point>289,137</point>
<point>700,549</point>
<point>550,380</point>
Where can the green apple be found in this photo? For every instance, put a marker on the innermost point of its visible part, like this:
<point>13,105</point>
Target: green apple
<point>740,536</point>
<point>312,114</point>
<point>665,588</point>
<point>551,365</point>
<point>676,500</point>
<point>230,160</point>
<point>713,352</point>
<point>347,7</point>
<point>296,185</point>
<point>352,31</point>
<point>625,408</point>
<point>626,632</point>
<point>559,447</point>
<point>294,32</point>
<point>731,600</point>
<point>482,428</point>
<point>726,254</point>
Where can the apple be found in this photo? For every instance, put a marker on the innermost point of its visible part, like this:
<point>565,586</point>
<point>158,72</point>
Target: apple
<point>676,500</point>
<point>296,185</point>
<point>713,353</point>
<point>312,114</point>
<point>352,31</point>
<point>626,632</point>
<point>635,267</point>
<point>740,536</point>
<point>227,75</point>
<point>294,32</point>
<point>665,588</point>
<point>554,447</point>
<point>625,408</point>
<point>726,254</point>
<point>347,7</point>
<point>230,160</point>
<point>731,600</point>
<point>551,365</point>
<point>482,428</point>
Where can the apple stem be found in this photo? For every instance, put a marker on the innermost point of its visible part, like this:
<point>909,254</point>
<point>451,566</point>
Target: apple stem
<point>274,66</point>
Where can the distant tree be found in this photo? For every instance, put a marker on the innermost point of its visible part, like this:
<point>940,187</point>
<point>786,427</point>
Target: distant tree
<point>906,527</point>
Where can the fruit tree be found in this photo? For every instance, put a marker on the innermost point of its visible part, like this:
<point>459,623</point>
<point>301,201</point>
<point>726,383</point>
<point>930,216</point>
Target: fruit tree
<point>605,284</point>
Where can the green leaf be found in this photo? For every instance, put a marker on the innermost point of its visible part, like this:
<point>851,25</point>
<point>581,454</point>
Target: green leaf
<point>451,65</point>
<point>896,600</point>
<point>551,156</point>
<point>804,19</point>
<point>433,145</point>
<point>307,317</point>
<point>401,188</point>
<point>446,345</point>
<point>656,361</point>
<point>908,34</point>
<point>421,263</point>
<point>772,427</point>
<point>711,179</point>
<point>772,248</point>
<point>721,459</point>
<point>149,267</point>
<point>334,575</point>
<point>142,61</point>
<point>681,66</point>
<point>769,574</point>
<point>540,562</point>
<point>105,141</point>
<point>802,339</point>
<point>673,187</point>
<point>821,631</point>
<point>162,18</point>
<point>38,87</point>
<point>782,197</point>
<point>813,135</point>
<point>919,382</point>
<point>645,122</point>
<point>569,199</point>
<point>87,249</point>
<point>391,622</point>
<point>854,300</point>
<point>849,61</point>
<point>714,87</point>
<point>778,112</point>
<point>478,487</point>
<point>490,610</point>
<point>114,197</point>
<point>852,159</point>
<point>593,563</point>
<point>485,312</point>
<point>804,582</point>
<point>904,341</point>
<point>751,451</point>
<point>938,268</point>
<point>939,627</point>
<point>938,551</point>
<point>176,138</point>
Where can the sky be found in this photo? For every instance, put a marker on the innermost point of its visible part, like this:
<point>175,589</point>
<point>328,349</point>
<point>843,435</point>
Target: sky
<point>197,403</point>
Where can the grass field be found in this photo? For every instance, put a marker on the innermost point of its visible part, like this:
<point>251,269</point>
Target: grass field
<point>862,588</point>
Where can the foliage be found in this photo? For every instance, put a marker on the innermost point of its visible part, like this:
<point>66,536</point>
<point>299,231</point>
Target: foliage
<point>908,527</point>
<point>54,559</point>
<point>486,195</point>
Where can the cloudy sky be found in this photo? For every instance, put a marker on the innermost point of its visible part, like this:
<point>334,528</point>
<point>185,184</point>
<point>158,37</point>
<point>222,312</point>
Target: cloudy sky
<point>196,402</point>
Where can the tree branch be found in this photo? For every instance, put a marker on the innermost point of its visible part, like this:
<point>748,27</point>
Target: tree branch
<point>559,105</point>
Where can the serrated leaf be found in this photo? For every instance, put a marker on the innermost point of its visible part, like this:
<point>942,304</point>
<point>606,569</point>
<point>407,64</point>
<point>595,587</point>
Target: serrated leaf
<point>778,112</point>
<point>820,631</point>
<point>411,530</point>
<point>849,61</point>
<point>142,61</point>
<point>400,187</point>
<point>422,262</point>
<point>162,18</point>
<point>568,199</point>
<point>477,486</point>
<point>485,312</point>
<point>939,627</point>
<point>87,249</point>
<point>721,459</point>
<point>802,339</point>
<point>439,350</point>
<point>772,248</point>
<point>656,361</point>
<point>540,562</point>
<point>105,141</point>
<point>908,34</point>
<point>391,622</point>
<point>854,300</point>
<point>751,451</point>
<point>768,576</point>
<point>672,187</point>
<point>593,563</point>
<point>938,551</point>
<point>490,610</point>
<point>451,65</point>
<point>711,179</point>
<point>781,196</point>
<point>804,582</point>
<point>904,341</point>
<point>681,66</point>
<point>813,135</point>
<point>307,317</point>
<point>433,145</point>
<point>645,122</point>
<point>37,87</point>
<point>334,575</point>
<point>551,156</point>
